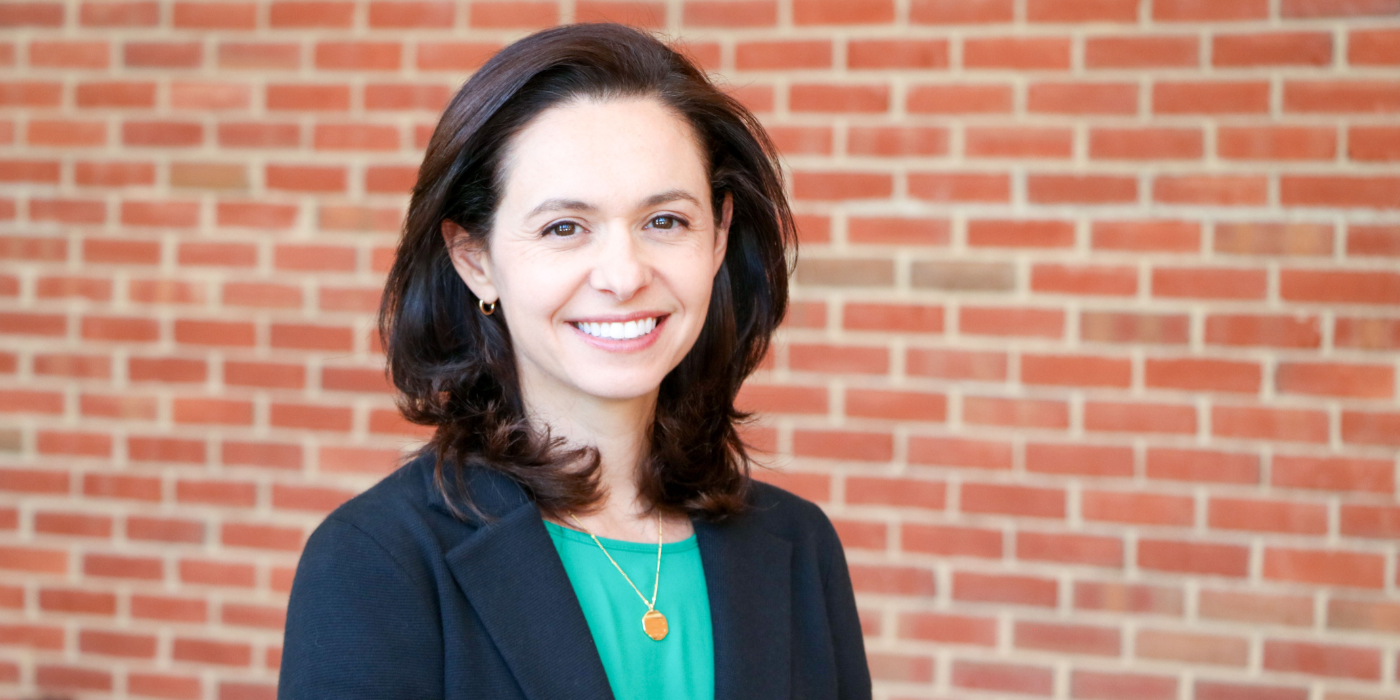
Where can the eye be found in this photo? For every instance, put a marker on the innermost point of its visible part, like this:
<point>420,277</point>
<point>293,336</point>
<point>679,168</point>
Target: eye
<point>665,221</point>
<point>563,229</point>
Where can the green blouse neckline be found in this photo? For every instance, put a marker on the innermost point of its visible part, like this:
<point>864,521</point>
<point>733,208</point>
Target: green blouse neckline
<point>572,535</point>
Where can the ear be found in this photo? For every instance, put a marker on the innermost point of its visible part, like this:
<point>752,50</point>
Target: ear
<point>722,230</point>
<point>471,260</point>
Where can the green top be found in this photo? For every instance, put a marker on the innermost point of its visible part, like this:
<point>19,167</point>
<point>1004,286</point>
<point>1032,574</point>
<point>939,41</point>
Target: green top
<point>680,666</point>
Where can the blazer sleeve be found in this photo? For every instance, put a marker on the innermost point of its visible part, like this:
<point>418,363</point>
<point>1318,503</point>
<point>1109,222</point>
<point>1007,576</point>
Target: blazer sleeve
<point>358,624</point>
<point>852,668</point>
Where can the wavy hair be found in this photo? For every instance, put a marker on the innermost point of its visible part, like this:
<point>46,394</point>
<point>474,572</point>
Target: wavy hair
<point>455,367</point>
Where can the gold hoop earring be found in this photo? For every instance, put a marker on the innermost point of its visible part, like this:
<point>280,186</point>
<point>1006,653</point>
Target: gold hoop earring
<point>486,308</point>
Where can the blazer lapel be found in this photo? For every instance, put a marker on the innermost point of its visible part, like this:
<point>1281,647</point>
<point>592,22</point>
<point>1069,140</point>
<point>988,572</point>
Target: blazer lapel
<point>748,573</point>
<point>512,575</point>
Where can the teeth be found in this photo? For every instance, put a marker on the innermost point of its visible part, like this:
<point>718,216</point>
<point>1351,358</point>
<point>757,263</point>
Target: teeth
<point>619,331</point>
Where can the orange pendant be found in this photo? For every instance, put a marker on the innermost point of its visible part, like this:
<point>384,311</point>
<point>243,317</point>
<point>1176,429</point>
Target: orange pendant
<point>654,624</point>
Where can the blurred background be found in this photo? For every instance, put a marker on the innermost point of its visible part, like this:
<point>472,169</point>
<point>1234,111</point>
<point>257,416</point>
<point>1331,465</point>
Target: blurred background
<point>1092,357</point>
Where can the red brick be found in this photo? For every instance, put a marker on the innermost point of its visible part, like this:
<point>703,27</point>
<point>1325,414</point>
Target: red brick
<point>1341,96</point>
<point>1291,331</point>
<point>1081,189</point>
<point>1204,466</point>
<point>1076,370</point>
<point>209,651</point>
<point>1277,143</point>
<point>1209,11</point>
<point>1163,51</point>
<point>215,15</point>
<point>1217,190</point>
<point>1379,616</point>
<point>1155,236</point>
<point>117,644</point>
<point>1203,375</point>
<point>896,405</point>
<point>1019,53</point>
<point>1258,608</point>
<point>1373,46</point>
<point>1337,8</point>
<point>721,13</point>
<point>1328,660</point>
<point>1265,423</point>
<point>842,12</point>
<point>1014,590</point>
<point>1339,191</point>
<point>1377,143</point>
<point>454,56</point>
<point>163,686</point>
<point>957,452</point>
<point>73,524</point>
<point>1082,98</point>
<point>1272,49</point>
<point>141,13</point>
<point>960,11</point>
<point>850,445</point>
<point>1129,598</point>
<point>639,14</point>
<point>897,53</point>
<point>1067,639</point>
<point>948,629</point>
<point>1371,428</point>
<point>1026,413</point>
<point>1192,648</point>
<point>312,14</point>
<point>1086,460</point>
<point>839,359</point>
<point>1139,417</point>
<point>1268,516</point>
<point>77,601</point>
<point>1193,557</point>
<point>432,14</point>
<point>809,185</point>
<point>839,98</point>
<point>1018,142</point>
<point>116,95</point>
<point>893,580</point>
<point>960,187</point>
<point>956,364</point>
<point>1138,508</point>
<point>1004,677</point>
<point>1082,11</point>
<point>154,54</point>
<point>1007,499</point>
<point>952,541</point>
<point>1205,690</point>
<point>1339,286</point>
<point>114,566</point>
<point>1210,98</point>
<point>959,98</point>
<point>1086,550</point>
<point>261,536</point>
<point>1098,685</point>
<point>1325,567</point>
<point>217,573</point>
<point>1333,474</point>
<point>69,54</point>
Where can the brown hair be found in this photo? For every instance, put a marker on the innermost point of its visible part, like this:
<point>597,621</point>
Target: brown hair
<point>455,367</point>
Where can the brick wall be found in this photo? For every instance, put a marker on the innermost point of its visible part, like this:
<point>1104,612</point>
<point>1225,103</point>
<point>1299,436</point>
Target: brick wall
<point>1093,358</point>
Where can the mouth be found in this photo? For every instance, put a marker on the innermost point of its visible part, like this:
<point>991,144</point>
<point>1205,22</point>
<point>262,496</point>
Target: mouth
<point>619,330</point>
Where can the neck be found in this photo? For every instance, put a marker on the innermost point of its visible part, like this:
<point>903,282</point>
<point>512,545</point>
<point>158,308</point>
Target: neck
<point>619,429</point>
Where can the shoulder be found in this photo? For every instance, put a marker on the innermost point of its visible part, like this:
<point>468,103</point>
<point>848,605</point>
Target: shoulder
<point>784,514</point>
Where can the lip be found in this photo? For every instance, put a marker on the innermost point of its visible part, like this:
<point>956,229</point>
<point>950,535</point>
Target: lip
<point>617,345</point>
<point>634,316</point>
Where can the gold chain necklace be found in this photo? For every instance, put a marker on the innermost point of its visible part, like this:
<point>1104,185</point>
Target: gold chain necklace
<point>653,622</point>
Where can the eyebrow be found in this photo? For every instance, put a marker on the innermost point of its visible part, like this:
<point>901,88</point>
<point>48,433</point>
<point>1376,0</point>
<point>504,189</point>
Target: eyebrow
<point>577,205</point>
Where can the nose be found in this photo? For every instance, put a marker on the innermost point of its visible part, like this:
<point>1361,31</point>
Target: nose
<point>620,267</point>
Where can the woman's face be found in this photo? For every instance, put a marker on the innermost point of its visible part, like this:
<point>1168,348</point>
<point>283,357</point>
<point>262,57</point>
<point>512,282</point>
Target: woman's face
<point>602,252</point>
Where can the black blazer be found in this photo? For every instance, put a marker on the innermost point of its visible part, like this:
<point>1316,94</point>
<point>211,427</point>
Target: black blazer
<point>395,598</point>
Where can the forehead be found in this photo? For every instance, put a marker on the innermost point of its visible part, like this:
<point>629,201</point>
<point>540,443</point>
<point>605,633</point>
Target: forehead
<point>603,150</point>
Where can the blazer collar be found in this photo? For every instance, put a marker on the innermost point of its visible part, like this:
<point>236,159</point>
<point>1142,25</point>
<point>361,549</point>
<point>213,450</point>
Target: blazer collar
<point>512,575</point>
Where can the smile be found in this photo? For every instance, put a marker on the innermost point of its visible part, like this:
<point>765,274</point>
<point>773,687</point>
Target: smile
<point>627,330</point>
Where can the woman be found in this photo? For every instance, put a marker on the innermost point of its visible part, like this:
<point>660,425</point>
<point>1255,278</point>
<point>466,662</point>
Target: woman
<point>593,261</point>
